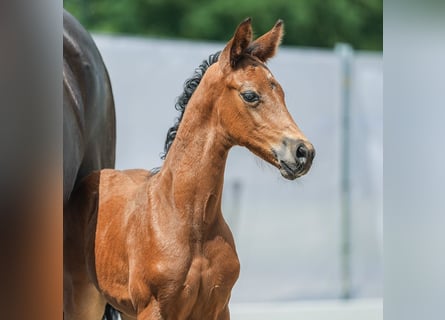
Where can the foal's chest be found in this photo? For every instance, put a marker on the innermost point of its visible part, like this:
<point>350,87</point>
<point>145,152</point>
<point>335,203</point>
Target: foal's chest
<point>209,279</point>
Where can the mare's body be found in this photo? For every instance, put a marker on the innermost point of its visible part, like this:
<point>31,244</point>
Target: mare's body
<point>156,245</point>
<point>89,125</point>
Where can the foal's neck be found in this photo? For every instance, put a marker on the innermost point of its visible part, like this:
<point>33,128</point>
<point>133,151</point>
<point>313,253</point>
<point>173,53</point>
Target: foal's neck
<point>194,166</point>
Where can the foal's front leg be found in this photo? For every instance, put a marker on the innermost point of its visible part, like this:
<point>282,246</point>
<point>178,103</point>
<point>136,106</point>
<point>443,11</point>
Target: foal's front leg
<point>151,312</point>
<point>224,315</point>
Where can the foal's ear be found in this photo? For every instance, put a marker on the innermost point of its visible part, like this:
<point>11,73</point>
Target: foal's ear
<point>237,46</point>
<point>265,47</point>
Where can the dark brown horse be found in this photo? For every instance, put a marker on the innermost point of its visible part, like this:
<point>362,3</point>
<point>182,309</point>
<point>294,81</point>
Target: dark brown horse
<point>89,125</point>
<point>155,244</point>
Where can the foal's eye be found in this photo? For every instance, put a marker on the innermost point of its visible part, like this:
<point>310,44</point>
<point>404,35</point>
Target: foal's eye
<point>250,96</point>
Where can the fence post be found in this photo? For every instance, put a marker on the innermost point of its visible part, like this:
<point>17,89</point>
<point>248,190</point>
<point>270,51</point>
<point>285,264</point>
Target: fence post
<point>345,53</point>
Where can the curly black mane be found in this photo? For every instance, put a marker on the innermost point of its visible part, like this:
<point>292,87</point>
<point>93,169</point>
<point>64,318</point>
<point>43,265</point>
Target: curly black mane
<point>181,103</point>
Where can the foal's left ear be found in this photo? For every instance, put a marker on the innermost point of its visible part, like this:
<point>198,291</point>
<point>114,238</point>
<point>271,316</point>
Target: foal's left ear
<point>265,47</point>
<point>237,46</point>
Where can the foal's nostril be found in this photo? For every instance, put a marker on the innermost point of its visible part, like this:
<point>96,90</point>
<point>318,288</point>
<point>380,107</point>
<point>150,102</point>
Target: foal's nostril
<point>302,152</point>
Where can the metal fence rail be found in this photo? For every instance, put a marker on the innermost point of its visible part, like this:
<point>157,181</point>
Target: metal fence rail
<point>370,309</point>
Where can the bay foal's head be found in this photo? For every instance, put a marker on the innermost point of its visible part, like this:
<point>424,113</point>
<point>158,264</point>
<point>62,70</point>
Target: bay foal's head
<point>252,110</point>
<point>236,89</point>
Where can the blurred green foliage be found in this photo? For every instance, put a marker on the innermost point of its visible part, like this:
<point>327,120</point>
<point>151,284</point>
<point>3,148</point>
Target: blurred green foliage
<point>319,23</point>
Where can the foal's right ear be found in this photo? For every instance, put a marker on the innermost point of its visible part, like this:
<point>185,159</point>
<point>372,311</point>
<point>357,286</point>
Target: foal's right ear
<point>236,47</point>
<point>266,46</point>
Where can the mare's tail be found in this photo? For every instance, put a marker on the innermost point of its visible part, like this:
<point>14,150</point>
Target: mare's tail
<point>111,313</point>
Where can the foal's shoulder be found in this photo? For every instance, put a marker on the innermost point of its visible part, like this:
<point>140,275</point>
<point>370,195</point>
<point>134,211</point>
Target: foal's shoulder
<point>123,188</point>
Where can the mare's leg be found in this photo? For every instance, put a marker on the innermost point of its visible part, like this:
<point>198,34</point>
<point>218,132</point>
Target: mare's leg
<point>125,317</point>
<point>82,301</point>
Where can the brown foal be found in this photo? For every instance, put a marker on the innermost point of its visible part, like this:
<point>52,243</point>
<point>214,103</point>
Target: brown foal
<point>156,245</point>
